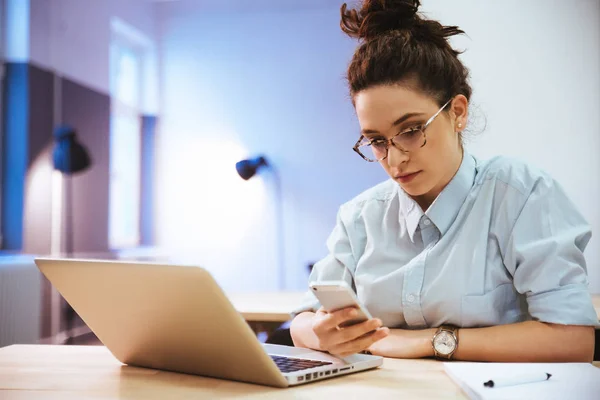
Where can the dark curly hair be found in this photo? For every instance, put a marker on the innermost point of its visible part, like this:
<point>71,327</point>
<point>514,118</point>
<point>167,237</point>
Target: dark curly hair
<point>400,46</point>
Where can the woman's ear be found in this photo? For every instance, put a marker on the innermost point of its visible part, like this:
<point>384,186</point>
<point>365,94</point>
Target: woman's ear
<point>459,112</point>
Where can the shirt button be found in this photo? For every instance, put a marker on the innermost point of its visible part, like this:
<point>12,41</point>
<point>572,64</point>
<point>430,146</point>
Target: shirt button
<point>410,298</point>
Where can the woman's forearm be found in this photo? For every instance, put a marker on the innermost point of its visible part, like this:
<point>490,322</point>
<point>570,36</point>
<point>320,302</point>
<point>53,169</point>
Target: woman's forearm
<point>529,341</point>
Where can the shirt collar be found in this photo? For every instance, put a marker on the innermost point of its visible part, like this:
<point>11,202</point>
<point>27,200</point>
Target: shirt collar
<point>410,211</point>
<point>445,207</point>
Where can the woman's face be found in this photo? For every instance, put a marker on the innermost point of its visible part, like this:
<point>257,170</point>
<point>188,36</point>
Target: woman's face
<point>424,172</point>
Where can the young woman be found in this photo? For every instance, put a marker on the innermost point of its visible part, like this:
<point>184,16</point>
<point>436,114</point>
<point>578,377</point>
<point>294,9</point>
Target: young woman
<point>453,256</point>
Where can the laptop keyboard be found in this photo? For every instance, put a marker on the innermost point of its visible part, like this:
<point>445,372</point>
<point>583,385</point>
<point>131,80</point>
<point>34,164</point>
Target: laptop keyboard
<point>288,364</point>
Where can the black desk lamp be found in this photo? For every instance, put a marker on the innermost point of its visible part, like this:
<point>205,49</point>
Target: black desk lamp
<point>69,157</point>
<point>247,169</point>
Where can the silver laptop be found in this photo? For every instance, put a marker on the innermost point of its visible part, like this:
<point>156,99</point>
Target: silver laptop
<point>177,318</point>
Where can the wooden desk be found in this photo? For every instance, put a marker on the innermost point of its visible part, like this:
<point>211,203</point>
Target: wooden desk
<point>91,372</point>
<point>78,372</point>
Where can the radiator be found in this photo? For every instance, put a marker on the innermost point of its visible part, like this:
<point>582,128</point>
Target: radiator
<point>20,300</point>
<point>30,312</point>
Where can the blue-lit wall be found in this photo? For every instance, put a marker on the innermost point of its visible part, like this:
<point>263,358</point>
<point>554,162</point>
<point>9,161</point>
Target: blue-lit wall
<point>15,146</point>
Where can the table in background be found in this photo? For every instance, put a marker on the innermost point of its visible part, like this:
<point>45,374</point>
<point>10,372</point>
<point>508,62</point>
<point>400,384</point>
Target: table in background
<point>264,312</point>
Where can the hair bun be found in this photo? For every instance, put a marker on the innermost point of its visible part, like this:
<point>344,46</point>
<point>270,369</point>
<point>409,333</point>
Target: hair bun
<point>377,17</point>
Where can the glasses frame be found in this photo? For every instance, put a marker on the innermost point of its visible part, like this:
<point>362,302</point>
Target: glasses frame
<point>390,141</point>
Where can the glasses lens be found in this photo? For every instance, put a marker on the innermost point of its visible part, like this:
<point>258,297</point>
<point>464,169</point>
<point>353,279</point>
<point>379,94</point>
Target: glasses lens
<point>373,151</point>
<point>410,140</point>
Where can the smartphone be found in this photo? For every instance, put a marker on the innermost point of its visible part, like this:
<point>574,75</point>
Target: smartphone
<point>335,295</point>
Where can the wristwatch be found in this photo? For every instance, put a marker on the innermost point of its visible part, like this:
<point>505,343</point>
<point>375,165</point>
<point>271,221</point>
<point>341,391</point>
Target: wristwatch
<point>445,342</point>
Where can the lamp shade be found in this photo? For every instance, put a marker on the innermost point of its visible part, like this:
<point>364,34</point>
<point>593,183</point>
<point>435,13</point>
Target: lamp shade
<point>248,168</point>
<point>69,156</point>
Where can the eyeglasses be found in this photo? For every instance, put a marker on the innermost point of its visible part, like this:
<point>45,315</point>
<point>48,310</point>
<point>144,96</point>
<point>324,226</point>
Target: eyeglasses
<point>373,150</point>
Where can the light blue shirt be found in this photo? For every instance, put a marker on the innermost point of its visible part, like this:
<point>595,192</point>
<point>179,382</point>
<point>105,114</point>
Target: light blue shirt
<point>501,244</point>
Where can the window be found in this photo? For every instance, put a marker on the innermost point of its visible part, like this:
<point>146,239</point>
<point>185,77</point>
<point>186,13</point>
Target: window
<point>125,145</point>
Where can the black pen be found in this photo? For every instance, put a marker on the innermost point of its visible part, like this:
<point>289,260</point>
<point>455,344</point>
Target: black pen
<point>518,379</point>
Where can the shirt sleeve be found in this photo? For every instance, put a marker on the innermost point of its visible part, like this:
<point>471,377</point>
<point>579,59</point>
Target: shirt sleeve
<point>544,254</point>
<point>337,265</point>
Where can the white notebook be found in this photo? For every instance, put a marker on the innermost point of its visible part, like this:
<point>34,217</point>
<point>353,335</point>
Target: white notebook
<point>568,381</point>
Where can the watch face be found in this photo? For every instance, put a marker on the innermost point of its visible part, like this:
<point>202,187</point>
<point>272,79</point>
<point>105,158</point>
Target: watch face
<point>444,343</point>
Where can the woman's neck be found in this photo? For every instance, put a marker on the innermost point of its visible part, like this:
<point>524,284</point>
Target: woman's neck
<point>425,200</point>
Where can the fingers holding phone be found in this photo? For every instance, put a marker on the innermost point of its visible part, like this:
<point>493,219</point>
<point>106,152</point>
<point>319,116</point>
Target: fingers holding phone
<point>351,339</point>
<point>343,325</point>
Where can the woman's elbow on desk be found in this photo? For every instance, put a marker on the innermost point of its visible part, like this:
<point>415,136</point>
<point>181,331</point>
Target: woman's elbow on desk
<point>579,342</point>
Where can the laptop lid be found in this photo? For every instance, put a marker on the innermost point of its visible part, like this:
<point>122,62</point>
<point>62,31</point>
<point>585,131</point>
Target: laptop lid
<point>173,318</point>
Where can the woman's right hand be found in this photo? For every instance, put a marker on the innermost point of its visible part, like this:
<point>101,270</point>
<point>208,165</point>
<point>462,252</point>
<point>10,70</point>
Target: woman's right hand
<point>349,340</point>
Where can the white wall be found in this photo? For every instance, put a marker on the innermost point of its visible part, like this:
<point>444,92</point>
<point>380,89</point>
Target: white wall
<point>241,84</point>
<point>73,36</point>
<point>272,81</point>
